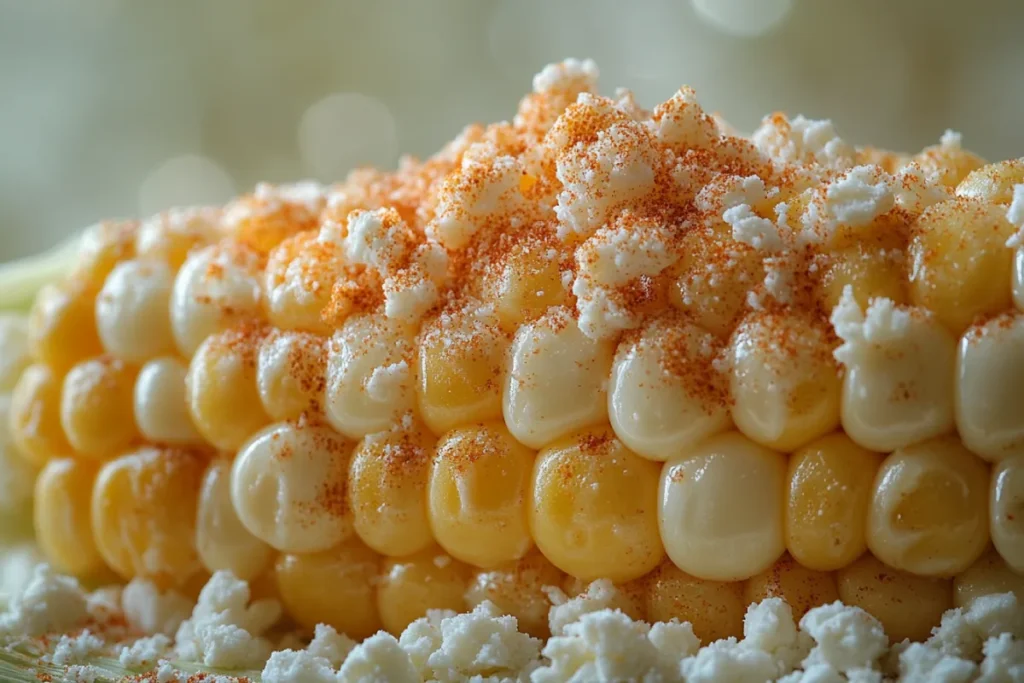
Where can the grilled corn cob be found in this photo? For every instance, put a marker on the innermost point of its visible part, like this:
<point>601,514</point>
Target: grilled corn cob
<point>596,342</point>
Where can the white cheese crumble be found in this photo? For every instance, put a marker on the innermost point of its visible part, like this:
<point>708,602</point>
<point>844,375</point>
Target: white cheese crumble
<point>571,74</point>
<point>50,603</point>
<point>149,610</point>
<point>681,122</point>
<point>1015,215</point>
<point>854,200</point>
<point>486,186</point>
<point>883,323</point>
<point>845,638</point>
<point>387,382</point>
<point>378,659</point>
<point>75,649</point>
<point>751,229</point>
<point>144,651</point>
<point>291,666</point>
<point>914,191</point>
<point>802,140</point>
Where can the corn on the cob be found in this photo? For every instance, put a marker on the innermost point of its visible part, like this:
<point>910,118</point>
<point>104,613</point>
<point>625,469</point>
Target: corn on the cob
<point>562,349</point>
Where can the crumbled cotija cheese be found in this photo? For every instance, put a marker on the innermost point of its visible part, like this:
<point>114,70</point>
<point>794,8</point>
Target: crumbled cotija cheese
<point>378,659</point>
<point>144,651</point>
<point>149,610</point>
<point>291,666</point>
<point>75,649</point>
<point>50,603</point>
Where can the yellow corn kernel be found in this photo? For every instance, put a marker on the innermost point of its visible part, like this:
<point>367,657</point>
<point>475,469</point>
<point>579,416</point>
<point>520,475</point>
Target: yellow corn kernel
<point>34,417</point>
<point>960,266</point>
<point>785,385</point>
<point>62,516</point>
<point>630,598</point>
<point>828,492</point>
<point>410,586</point>
<point>518,588</point>
<point>461,368</point>
<point>96,407</point>
<point>220,388</point>
<point>665,395</point>
<point>1006,509</point>
<point>102,246</point>
<point>62,325</point>
<point>270,214</point>
<point>720,508</point>
<point>908,606</point>
<point>872,269</point>
<point>161,411</point>
<point>556,380</point>
<point>217,287</point>
<point>290,374</point>
<point>949,164</point>
<point>929,509</point>
<point>800,587</point>
<point>222,541</point>
<point>989,575</point>
<point>289,485</point>
<point>14,350</point>
<point>370,375</point>
<point>714,608</point>
<point>351,572</point>
<point>132,311</point>
<point>144,514</point>
<point>299,280</point>
<point>993,183</point>
<point>170,236</point>
<point>714,276</point>
<point>387,487</point>
<point>529,281</point>
<point>477,496</point>
<point>989,375</point>
<point>593,508</point>
<point>18,475</point>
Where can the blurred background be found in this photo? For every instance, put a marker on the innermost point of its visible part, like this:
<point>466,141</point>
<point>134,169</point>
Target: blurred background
<point>121,107</point>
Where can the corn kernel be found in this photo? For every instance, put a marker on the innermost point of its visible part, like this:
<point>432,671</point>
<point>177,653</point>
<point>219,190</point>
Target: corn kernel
<point>665,394</point>
<point>556,380</point>
<point>34,418</point>
<point>1006,508</point>
<point>461,367</point>
<point>14,350</point>
<point>291,374</point>
<point>132,316</point>
<point>144,514</point>
<point>62,516</point>
<point>948,164</point>
<point>370,376</point>
<point>908,606</point>
<point>161,411</point>
<point>222,541</point>
<point>829,487</point>
<point>220,388</point>
<point>477,496</point>
<point>1018,279</point>
<point>714,608</point>
<point>299,280</point>
<point>101,247</point>
<point>989,375</point>
<point>96,407</point>
<point>387,482</point>
<point>960,266</point>
<point>62,325</point>
<point>350,606</point>
<point>16,478</point>
<point>800,587</point>
<point>785,384</point>
<point>989,575</point>
<point>993,183</point>
<point>170,236</point>
<point>518,588</point>
<point>929,511</point>
<point>720,508</point>
<point>410,586</point>
<point>289,485</point>
<point>529,281</point>
<point>872,269</point>
<point>593,508</point>
<point>270,214</point>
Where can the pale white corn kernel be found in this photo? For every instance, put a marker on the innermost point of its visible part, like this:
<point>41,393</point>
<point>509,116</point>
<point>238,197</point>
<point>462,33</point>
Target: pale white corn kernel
<point>721,508</point>
<point>990,575</point>
<point>132,311</point>
<point>299,279</point>
<point>989,378</point>
<point>370,375</point>
<point>14,351</point>
<point>556,380</point>
<point>1018,279</point>
<point>161,411</point>
<point>1006,510</point>
<point>290,373</point>
<point>223,543</point>
<point>289,487</point>
<point>665,393</point>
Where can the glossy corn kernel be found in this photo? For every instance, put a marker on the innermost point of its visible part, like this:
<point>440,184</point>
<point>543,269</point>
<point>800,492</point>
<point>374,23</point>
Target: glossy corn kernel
<point>715,608</point>
<point>519,588</point>
<point>34,416</point>
<point>929,510</point>
<point>63,518</point>
<point>461,366</point>
<point>289,485</point>
<point>221,391</point>
<point>17,475</point>
<point>101,247</point>
<point>907,605</point>
<point>593,508</point>
<point>960,266</point>
<point>721,508</point>
<point>529,282</point>
<point>665,394</point>
<point>1018,279</point>
<point>144,514</point>
<point>350,605</point>
<point>829,485</point>
<point>556,380</point>
<point>948,163</point>
<point>387,487</point>
<point>989,575</point>
<point>477,495</point>
<point>800,587</point>
<point>222,541</point>
<point>785,384</point>
<point>989,377</point>
<point>132,311</point>
<point>161,411</point>
<point>993,183</point>
<point>299,279</point>
<point>1006,510</point>
<point>62,325</point>
<point>96,407</point>
<point>409,586</point>
<point>876,269</point>
<point>270,214</point>
<point>290,371</point>
<point>172,235</point>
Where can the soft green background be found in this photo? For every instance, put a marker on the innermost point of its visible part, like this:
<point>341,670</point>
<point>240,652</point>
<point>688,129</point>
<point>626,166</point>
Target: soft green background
<point>121,107</point>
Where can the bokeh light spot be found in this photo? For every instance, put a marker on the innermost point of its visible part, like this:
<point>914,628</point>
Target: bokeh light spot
<point>185,180</point>
<point>346,130</point>
<point>746,18</point>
